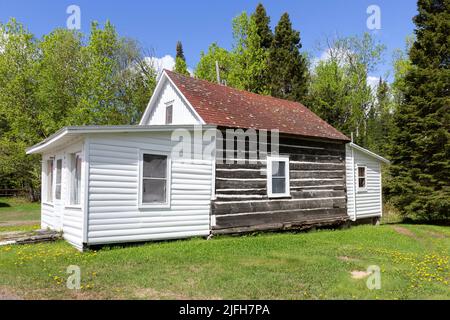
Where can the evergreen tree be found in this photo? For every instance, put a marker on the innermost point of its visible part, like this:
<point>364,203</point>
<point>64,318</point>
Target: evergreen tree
<point>379,120</point>
<point>420,152</point>
<point>180,52</point>
<point>260,39</point>
<point>180,60</point>
<point>262,23</point>
<point>287,66</point>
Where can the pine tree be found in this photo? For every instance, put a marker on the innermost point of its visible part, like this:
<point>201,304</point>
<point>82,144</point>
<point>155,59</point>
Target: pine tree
<point>180,52</point>
<point>379,119</point>
<point>420,153</point>
<point>262,22</point>
<point>259,41</point>
<point>180,60</point>
<point>287,66</point>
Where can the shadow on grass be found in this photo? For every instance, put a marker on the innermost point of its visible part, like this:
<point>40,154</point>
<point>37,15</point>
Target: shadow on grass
<point>4,205</point>
<point>440,222</point>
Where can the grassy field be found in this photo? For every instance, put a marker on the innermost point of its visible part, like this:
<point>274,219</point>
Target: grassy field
<point>413,259</point>
<point>18,211</point>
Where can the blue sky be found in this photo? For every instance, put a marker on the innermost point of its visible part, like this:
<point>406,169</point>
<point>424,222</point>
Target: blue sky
<point>159,24</point>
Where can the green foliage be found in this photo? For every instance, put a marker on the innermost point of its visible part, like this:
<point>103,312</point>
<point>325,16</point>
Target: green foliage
<point>249,70</point>
<point>206,67</point>
<point>379,120</point>
<point>60,80</point>
<point>339,92</point>
<point>180,60</point>
<point>287,67</point>
<point>420,152</point>
<point>262,23</point>
<point>246,65</point>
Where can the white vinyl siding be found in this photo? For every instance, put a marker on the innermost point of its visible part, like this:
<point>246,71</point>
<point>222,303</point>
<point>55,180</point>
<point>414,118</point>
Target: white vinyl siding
<point>47,213</point>
<point>114,212</point>
<point>62,214</point>
<point>368,199</point>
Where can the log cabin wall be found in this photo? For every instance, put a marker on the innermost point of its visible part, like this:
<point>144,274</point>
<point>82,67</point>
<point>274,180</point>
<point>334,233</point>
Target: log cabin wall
<point>317,187</point>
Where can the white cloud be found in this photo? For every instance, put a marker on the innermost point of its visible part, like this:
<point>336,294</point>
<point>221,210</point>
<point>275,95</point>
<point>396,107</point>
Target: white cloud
<point>340,54</point>
<point>165,62</point>
<point>3,40</point>
<point>373,82</point>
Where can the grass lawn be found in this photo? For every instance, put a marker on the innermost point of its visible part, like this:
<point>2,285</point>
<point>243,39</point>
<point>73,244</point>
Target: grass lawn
<point>16,210</point>
<point>414,263</point>
<point>413,259</point>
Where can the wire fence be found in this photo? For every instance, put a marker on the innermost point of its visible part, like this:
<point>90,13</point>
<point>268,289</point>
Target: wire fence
<point>14,192</point>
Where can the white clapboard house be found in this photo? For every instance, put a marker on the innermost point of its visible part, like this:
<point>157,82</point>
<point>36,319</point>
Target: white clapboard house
<point>183,171</point>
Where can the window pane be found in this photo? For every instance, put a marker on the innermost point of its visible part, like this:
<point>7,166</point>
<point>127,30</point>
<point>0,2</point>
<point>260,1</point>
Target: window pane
<point>153,191</point>
<point>155,166</point>
<point>361,182</point>
<point>78,177</point>
<point>75,188</point>
<point>49,180</point>
<point>169,114</point>
<point>58,179</point>
<point>278,185</point>
<point>361,172</point>
<point>278,169</point>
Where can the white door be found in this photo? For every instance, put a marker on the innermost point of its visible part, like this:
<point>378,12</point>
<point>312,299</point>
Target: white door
<point>58,196</point>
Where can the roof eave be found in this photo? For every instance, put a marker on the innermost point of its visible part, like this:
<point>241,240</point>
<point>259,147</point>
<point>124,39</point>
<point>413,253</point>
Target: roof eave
<point>370,153</point>
<point>82,130</point>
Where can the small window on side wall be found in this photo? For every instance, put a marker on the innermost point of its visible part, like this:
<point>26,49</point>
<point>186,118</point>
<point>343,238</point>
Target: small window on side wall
<point>362,180</point>
<point>278,177</point>
<point>154,179</point>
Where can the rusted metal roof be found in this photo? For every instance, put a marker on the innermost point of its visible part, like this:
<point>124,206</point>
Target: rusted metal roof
<point>225,106</point>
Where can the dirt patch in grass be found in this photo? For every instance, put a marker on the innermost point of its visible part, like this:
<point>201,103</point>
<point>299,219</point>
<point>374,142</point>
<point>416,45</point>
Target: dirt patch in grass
<point>356,274</point>
<point>15,223</point>
<point>8,294</point>
<point>153,294</point>
<point>436,235</point>
<point>347,259</point>
<point>405,232</point>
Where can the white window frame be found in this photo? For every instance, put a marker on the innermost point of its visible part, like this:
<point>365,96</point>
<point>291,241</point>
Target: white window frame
<point>168,180</point>
<point>168,105</point>
<point>60,158</point>
<point>69,203</point>
<point>284,159</point>
<point>46,181</point>
<point>357,178</point>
